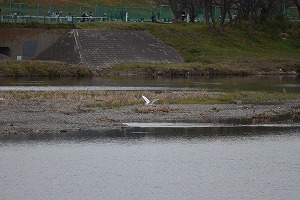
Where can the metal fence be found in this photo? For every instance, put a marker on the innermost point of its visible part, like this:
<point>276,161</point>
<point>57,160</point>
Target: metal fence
<point>67,12</point>
<point>55,13</point>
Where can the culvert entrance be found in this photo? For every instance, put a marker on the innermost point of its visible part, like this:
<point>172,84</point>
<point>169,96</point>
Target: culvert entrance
<point>5,51</point>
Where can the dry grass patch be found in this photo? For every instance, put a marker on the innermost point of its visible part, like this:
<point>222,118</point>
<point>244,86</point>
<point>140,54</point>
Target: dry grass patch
<point>117,99</point>
<point>109,99</point>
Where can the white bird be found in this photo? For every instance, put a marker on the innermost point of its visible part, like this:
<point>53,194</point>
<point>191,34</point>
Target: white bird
<point>148,102</point>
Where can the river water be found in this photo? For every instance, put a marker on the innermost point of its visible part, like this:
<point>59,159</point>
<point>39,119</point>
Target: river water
<point>219,83</point>
<point>156,161</point>
<point>153,163</point>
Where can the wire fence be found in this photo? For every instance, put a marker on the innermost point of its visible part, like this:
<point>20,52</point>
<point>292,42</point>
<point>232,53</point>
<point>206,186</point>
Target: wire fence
<point>73,13</point>
<point>21,11</point>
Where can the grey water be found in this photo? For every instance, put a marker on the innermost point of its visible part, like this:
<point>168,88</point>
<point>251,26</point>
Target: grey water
<point>289,83</point>
<point>229,160</point>
<point>153,163</point>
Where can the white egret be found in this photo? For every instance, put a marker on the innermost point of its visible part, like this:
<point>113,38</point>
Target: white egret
<point>149,102</point>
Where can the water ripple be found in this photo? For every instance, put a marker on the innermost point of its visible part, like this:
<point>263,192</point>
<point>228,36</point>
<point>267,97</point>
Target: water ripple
<point>84,88</point>
<point>206,125</point>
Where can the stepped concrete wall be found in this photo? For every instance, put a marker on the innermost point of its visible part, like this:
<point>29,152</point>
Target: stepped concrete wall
<point>27,43</point>
<point>65,49</point>
<point>104,48</point>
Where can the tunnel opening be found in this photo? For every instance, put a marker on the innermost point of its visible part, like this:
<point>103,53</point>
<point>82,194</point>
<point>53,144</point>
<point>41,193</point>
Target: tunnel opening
<point>5,51</point>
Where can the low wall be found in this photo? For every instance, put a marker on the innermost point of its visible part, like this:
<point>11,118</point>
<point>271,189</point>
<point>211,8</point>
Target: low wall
<point>27,43</point>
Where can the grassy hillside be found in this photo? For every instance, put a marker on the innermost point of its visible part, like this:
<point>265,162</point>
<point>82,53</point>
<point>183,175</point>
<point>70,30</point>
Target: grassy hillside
<point>271,48</point>
<point>275,46</point>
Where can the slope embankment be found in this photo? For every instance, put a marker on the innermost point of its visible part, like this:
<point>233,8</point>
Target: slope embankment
<point>93,48</point>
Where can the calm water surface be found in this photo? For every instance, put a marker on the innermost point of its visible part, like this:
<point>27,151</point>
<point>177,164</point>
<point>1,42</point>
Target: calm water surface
<point>153,163</point>
<point>252,83</point>
<point>242,161</point>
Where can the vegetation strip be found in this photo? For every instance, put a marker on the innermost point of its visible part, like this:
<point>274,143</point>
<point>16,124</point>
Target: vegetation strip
<point>27,68</point>
<point>116,99</point>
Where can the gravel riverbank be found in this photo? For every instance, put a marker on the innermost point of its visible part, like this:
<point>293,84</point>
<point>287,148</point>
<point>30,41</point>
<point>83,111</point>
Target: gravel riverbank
<point>41,116</point>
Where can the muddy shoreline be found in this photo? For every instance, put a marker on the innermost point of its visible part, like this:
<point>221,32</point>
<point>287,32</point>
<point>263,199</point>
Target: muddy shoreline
<point>20,116</point>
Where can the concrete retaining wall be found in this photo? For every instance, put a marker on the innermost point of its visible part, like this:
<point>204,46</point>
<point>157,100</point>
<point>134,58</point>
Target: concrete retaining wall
<point>91,48</point>
<point>28,43</point>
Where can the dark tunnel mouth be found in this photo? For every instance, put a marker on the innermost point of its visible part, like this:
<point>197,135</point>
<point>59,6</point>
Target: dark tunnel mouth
<point>5,51</point>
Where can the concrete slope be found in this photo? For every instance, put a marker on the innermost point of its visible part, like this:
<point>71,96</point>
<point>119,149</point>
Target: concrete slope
<point>104,48</point>
<point>4,57</point>
<point>65,49</point>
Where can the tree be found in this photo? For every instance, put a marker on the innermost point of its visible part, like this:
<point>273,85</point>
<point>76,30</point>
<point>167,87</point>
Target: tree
<point>253,10</point>
<point>297,4</point>
<point>176,7</point>
<point>194,7</point>
<point>208,12</point>
<point>226,6</point>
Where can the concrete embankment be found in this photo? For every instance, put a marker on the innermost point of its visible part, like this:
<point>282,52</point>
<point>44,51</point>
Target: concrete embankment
<point>92,48</point>
<point>27,43</point>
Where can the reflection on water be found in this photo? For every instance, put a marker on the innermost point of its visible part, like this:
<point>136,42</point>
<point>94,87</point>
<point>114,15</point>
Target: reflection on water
<point>153,163</point>
<point>229,160</point>
<point>254,83</point>
<point>161,131</point>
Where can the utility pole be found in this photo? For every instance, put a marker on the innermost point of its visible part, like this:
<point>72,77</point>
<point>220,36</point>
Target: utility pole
<point>10,10</point>
<point>67,9</point>
<point>38,14</point>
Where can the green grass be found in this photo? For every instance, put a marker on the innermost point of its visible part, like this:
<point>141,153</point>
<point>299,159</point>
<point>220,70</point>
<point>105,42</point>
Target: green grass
<point>206,52</point>
<point>201,45</point>
<point>171,69</point>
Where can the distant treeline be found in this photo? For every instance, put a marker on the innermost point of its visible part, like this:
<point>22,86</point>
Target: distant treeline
<point>234,10</point>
